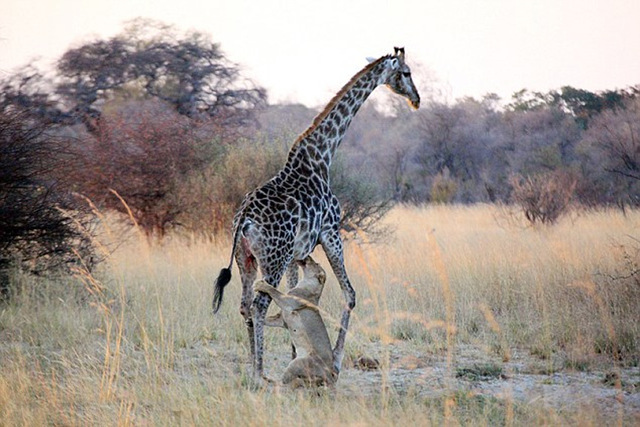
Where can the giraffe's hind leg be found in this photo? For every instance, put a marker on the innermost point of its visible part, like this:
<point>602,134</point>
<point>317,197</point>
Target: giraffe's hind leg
<point>272,275</point>
<point>248,272</point>
<point>259,314</point>
<point>332,245</point>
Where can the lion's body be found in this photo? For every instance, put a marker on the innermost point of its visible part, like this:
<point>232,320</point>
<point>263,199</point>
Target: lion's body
<point>313,363</point>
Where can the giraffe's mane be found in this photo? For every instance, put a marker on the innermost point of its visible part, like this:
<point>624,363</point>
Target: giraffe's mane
<point>336,98</point>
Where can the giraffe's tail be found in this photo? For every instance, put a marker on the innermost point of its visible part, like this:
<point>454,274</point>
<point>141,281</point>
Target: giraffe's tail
<point>223,280</point>
<point>225,274</point>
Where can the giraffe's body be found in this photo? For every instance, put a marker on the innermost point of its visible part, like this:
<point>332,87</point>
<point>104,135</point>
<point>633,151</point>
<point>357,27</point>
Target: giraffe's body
<point>288,216</point>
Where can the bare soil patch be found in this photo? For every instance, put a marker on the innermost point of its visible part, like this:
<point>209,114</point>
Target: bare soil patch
<point>405,370</point>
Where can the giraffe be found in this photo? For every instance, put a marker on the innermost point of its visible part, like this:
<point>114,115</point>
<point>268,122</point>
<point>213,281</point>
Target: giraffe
<point>288,216</point>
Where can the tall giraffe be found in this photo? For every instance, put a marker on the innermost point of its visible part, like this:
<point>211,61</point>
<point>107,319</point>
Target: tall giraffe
<point>293,212</point>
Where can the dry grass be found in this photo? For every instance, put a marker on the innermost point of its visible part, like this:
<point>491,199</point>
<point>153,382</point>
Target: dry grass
<point>136,343</point>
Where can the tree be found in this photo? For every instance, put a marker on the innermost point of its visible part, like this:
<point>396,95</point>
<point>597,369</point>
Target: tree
<point>540,140</point>
<point>612,145</point>
<point>156,105</point>
<point>26,92</point>
<point>456,142</point>
<point>151,60</point>
<point>137,157</point>
<point>525,100</point>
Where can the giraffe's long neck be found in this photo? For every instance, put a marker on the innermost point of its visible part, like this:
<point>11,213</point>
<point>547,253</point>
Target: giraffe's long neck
<point>316,146</point>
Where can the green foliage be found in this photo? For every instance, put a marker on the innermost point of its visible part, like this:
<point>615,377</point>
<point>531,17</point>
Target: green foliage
<point>211,196</point>
<point>187,71</point>
<point>524,100</point>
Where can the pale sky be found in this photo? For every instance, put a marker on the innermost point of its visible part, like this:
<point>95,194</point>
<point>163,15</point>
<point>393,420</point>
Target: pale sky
<point>305,51</point>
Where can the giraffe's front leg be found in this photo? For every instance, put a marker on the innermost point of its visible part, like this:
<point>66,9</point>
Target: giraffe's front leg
<point>292,281</point>
<point>332,245</point>
<point>272,275</point>
<point>292,275</point>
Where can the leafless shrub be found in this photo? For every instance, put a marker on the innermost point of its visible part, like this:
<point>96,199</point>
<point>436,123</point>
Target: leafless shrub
<point>363,207</point>
<point>544,197</point>
<point>42,225</point>
<point>611,146</point>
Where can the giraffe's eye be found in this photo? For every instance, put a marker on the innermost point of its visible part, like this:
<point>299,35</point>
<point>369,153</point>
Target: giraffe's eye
<point>406,74</point>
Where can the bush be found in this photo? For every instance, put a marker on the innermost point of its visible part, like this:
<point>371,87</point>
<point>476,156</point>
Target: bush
<point>211,197</point>
<point>137,158</point>
<point>363,207</point>
<point>544,197</point>
<point>42,225</point>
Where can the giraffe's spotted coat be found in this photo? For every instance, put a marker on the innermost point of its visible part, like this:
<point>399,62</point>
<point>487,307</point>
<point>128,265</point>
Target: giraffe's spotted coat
<point>293,212</point>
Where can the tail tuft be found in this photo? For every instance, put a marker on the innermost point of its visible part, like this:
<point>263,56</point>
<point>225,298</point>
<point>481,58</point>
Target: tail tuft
<point>223,280</point>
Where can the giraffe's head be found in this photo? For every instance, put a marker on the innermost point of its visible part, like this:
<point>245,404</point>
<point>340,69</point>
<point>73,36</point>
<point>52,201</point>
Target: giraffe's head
<point>398,78</point>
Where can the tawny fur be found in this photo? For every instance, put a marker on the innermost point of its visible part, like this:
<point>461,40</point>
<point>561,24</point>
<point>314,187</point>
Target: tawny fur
<point>313,364</point>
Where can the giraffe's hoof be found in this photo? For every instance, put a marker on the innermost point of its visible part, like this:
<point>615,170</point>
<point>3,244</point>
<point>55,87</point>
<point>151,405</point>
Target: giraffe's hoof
<point>365,363</point>
<point>268,380</point>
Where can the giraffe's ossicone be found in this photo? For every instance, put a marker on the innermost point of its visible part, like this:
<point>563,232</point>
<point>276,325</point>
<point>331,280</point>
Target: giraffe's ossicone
<point>293,212</point>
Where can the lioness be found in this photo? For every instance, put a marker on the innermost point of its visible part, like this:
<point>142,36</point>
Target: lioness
<point>313,364</point>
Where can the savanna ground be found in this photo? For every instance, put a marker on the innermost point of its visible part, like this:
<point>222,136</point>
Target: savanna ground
<point>474,318</point>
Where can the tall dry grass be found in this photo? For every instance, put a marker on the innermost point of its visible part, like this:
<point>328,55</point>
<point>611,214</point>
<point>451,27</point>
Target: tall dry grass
<point>136,343</point>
